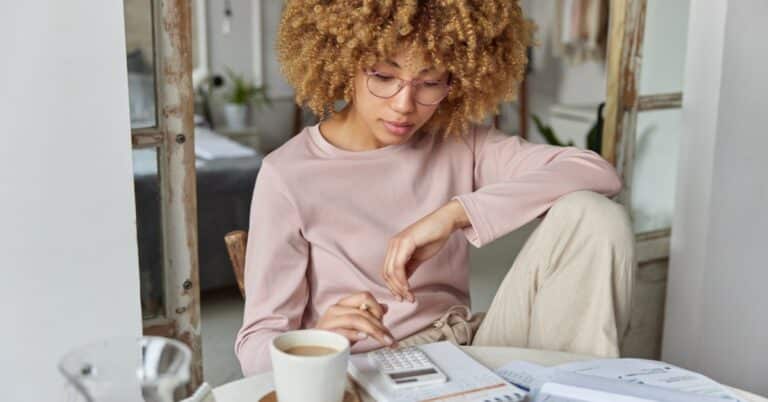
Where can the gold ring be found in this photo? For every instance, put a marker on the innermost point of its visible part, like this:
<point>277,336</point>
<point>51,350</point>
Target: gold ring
<point>364,307</point>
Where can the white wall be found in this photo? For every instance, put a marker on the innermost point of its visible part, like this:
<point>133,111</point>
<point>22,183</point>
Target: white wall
<point>233,49</point>
<point>236,51</point>
<point>67,239</point>
<point>716,320</point>
<point>658,132</point>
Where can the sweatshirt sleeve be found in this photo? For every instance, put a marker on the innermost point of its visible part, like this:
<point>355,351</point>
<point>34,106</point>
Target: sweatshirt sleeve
<point>517,181</point>
<point>277,255</point>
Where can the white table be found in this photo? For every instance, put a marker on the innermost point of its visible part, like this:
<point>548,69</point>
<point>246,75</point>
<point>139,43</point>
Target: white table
<point>251,388</point>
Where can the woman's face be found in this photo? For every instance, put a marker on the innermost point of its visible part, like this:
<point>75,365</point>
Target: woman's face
<point>395,119</point>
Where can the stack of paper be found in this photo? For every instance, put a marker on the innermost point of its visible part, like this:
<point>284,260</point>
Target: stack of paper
<point>605,379</point>
<point>468,380</point>
<point>602,380</point>
<point>554,392</point>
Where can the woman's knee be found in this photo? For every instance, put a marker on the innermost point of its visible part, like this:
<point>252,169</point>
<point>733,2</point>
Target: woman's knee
<point>595,212</point>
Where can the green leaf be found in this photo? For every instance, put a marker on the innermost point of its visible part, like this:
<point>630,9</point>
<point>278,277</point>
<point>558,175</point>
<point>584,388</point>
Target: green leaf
<point>549,133</point>
<point>242,91</point>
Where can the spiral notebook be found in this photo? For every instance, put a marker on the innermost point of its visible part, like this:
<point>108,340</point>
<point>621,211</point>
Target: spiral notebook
<point>614,380</point>
<point>468,380</point>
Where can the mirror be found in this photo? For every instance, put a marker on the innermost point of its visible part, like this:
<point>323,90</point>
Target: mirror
<point>658,132</point>
<point>655,169</point>
<point>146,181</point>
<point>664,47</point>
<point>140,58</point>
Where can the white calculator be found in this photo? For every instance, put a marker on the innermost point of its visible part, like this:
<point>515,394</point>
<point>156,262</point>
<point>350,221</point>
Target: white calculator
<point>406,367</point>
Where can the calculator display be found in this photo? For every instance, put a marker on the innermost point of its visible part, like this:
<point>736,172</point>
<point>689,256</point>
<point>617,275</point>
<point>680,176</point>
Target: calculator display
<point>415,373</point>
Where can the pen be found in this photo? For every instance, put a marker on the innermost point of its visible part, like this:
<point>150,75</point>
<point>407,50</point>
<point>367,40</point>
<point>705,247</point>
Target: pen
<point>523,387</point>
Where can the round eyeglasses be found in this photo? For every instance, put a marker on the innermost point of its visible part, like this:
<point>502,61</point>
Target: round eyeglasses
<point>426,92</point>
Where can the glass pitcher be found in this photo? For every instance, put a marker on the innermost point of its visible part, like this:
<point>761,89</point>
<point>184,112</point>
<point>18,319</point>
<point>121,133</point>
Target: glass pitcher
<point>145,369</point>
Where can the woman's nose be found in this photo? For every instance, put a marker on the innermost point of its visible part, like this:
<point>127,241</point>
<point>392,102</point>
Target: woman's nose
<point>403,101</point>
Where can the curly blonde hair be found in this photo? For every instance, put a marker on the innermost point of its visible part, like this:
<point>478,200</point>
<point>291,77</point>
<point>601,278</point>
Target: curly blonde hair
<point>322,44</point>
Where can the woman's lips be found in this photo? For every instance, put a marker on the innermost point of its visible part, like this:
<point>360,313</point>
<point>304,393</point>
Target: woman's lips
<point>398,129</point>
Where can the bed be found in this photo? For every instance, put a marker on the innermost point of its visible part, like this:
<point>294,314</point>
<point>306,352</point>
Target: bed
<point>226,172</point>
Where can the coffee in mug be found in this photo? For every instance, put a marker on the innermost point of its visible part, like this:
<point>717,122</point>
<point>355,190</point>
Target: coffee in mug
<point>310,350</point>
<point>314,358</point>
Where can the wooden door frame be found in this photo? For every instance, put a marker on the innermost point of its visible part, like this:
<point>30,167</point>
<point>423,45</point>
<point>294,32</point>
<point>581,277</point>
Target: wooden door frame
<point>173,137</point>
<point>623,102</point>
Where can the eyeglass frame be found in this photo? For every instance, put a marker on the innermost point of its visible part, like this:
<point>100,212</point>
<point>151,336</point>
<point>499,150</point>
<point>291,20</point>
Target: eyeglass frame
<point>402,84</point>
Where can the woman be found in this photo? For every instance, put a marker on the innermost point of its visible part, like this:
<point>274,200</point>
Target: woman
<point>360,224</point>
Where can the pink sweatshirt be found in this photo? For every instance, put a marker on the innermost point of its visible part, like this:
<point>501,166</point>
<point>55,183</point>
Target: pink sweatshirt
<point>321,218</point>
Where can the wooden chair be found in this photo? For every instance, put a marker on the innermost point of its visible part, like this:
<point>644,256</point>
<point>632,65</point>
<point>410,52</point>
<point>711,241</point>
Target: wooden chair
<point>236,242</point>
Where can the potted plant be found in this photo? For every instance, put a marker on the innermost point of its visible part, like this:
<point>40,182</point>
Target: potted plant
<point>240,95</point>
<point>594,136</point>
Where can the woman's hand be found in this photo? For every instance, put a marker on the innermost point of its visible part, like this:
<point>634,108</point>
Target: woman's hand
<point>357,317</point>
<point>418,243</point>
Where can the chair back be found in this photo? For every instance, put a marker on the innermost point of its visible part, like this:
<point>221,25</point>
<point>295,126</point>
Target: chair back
<point>236,242</point>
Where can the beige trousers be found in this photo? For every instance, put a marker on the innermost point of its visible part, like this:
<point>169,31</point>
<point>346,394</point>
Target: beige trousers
<point>569,288</point>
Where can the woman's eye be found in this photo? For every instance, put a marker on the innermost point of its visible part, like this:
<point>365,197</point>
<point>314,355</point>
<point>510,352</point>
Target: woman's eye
<point>431,84</point>
<point>382,77</point>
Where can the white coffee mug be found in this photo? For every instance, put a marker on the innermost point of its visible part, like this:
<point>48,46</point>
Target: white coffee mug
<point>309,378</point>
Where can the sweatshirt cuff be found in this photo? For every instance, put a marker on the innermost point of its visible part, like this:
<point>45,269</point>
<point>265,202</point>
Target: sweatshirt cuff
<point>479,232</point>
<point>254,354</point>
